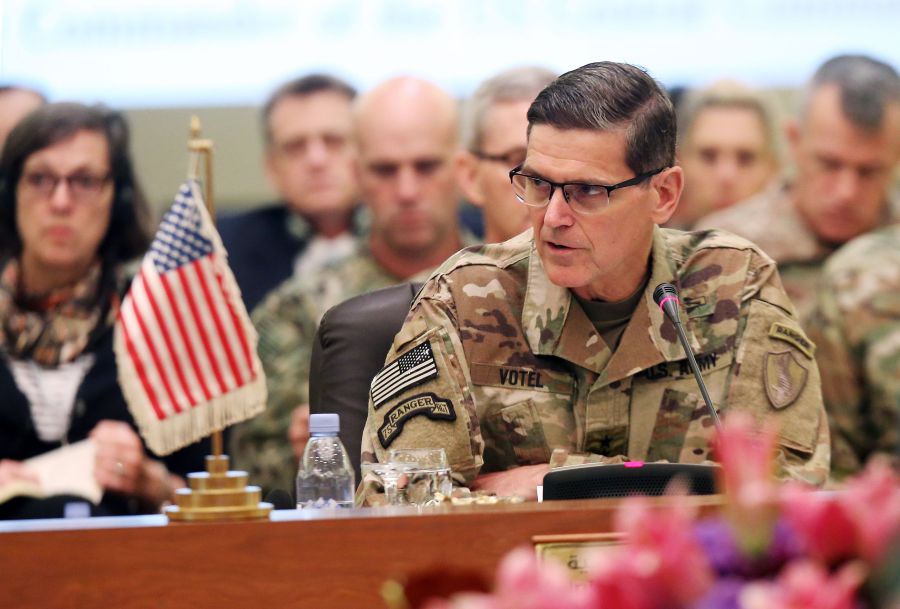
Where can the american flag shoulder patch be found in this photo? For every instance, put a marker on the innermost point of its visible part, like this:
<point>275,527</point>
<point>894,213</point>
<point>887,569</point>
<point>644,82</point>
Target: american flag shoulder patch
<point>409,370</point>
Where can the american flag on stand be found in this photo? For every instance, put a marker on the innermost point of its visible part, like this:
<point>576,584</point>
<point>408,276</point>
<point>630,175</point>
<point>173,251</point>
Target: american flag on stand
<point>185,347</point>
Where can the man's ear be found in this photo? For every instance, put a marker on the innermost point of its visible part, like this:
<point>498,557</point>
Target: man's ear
<point>669,185</point>
<point>466,166</point>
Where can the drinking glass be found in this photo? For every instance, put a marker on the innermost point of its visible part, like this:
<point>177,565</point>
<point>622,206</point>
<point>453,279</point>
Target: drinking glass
<point>390,475</point>
<point>427,473</point>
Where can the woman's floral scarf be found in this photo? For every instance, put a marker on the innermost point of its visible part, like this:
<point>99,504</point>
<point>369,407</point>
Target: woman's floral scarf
<point>53,328</point>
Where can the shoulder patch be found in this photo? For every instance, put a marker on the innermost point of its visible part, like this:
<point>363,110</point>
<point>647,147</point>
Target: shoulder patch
<point>784,377</point>
<point>424,404</point>
<point>410,369</point>
<point>794,337</point>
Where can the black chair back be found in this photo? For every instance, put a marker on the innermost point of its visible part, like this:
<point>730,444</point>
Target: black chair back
<point>349,350</point>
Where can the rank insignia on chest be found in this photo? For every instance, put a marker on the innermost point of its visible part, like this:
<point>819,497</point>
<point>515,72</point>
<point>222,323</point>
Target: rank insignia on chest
<point>428,405</point>
<point>785,378</point>
<point>410,369</point>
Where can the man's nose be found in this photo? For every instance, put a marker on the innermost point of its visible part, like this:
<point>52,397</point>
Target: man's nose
<point>558,213</point>
<point>409,184</point>
<point>846,185</point>
<point>316,152</point>
<point>727,170</point>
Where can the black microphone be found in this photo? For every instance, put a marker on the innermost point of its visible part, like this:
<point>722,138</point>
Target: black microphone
<point>666,296</point>
<point>280,499</point>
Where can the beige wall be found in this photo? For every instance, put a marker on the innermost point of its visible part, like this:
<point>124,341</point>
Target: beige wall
<point>159,147</point>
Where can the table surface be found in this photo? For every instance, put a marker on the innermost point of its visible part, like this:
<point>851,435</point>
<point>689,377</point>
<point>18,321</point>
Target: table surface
<point>308,558</point>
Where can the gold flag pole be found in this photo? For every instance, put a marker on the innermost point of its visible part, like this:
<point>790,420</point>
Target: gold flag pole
<point>203,149</point>
<point>219,493</point>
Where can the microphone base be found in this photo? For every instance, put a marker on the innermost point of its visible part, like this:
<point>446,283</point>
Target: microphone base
<point>599,480</point>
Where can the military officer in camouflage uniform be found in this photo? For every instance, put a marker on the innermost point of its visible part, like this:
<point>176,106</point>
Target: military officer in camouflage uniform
<point>407,135</point>
<point>857,330</point>
<point>551,342</point>
<point>845,149</point>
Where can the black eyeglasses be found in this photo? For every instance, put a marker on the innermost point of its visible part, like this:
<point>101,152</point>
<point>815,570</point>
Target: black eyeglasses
<point>82,186</point>
<point>510,158</point>
<point>584,199</point>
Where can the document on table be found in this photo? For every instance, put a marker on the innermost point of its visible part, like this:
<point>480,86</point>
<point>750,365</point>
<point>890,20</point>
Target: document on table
<point>68,470</point>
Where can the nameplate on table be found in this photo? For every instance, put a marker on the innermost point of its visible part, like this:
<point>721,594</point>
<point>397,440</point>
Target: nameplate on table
<point>571,551</point>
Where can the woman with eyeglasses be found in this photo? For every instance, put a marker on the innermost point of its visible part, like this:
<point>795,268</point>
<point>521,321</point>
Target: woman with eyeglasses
<point>72,217</point>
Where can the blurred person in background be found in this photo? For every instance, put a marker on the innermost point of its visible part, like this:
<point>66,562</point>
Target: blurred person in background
<point>15,103</point>
<point>72,216</point>
<point>846,147</point>
<point>727,148</point>
<point>494,138</point>
<point>307,124</point>
<point>406,129</point>
<point>856,328</point>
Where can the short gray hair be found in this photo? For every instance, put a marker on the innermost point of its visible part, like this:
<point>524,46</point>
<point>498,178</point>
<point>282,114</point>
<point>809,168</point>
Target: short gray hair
<point>727,94</point>
<point>608,96</point>
<point>515,85</point>
<point>867,86</point>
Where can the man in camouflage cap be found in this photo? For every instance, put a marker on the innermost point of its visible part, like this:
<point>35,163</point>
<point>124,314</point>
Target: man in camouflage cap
<point>406,132</point>
<point>845,145</point>
<point>856,325</point>
<point>551,342</point>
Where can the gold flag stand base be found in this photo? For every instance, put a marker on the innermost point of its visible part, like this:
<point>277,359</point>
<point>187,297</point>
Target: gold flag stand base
<point>218,494</point>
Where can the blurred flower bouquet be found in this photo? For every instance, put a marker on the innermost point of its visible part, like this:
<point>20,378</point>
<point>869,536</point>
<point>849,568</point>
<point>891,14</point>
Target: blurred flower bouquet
<point>773,546</point>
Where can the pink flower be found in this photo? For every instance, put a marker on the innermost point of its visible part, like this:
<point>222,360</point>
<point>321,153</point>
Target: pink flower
<point>661,564</point>
<point>747,479</point>
<point>804,584</point>
<point>857,522</point>
<point>872,500</point>
<point>523,582</point>
<point>821,522</point>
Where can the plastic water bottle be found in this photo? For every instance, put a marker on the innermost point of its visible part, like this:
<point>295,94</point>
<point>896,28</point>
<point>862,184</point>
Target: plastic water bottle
<point>325,478</point>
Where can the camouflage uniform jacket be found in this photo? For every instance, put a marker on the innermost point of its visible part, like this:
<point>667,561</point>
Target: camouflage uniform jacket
<point>771,221</point>
<point>507,368</point>
<point>287,321</point>
<point>857,329</point>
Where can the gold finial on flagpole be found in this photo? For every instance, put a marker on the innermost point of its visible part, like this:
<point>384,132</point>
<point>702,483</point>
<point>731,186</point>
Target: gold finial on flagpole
<point>218,493</point>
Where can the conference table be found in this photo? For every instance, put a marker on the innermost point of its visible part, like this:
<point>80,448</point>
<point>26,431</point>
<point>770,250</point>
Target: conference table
<point>299,558</point>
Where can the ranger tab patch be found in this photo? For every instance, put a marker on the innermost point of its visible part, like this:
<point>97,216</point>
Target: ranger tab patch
<point>410,369</point>
<point>785,378</point>
<point>794,337</point>
<point>424,404</point>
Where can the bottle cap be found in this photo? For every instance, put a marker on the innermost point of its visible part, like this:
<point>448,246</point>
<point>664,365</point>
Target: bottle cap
<point>324,423</point>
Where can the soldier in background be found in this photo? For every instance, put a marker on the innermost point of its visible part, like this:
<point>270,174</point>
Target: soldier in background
<point>550,346</point>
<point>856,327</point>
<point>307,125</point>
<point>727,146</point>
<point>406,130</point>
<point>493,142</point>
<point>846,145</point>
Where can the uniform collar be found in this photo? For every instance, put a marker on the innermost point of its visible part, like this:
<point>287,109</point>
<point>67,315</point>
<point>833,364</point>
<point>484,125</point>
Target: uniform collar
<point>556,325</point>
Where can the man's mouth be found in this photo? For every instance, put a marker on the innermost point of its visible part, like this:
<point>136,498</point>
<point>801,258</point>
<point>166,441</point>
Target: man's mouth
<point>559,247</point>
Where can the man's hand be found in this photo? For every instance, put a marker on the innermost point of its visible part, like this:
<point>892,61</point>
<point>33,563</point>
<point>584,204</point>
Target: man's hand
<point>298,432</point>
<point>522,481</point>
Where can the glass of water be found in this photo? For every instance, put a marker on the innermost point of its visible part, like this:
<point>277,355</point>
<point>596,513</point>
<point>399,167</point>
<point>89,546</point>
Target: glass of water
<point>427,472</point>
<point>390,475</point>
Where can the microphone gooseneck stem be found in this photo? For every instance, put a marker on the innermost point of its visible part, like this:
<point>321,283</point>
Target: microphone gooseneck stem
<point>696,369</point>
